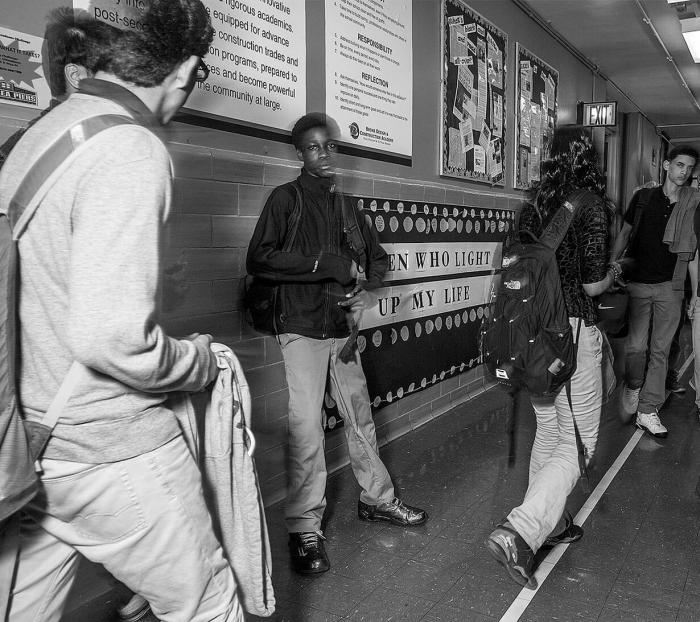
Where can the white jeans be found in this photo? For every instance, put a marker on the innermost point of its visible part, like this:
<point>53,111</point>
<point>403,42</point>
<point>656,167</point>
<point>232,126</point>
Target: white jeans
<point>144,519</point>
<point>554,466</point>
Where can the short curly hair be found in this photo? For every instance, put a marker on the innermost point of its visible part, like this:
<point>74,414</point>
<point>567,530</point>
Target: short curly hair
<point>173,30</point>
<point>311,120</point>
<point>74,36</point>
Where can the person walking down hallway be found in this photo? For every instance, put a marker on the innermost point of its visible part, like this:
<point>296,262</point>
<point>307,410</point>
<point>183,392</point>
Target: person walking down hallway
<point>118,483</point>
<point>325,280</point>
<point>658,237</point>
<point>571,174</point>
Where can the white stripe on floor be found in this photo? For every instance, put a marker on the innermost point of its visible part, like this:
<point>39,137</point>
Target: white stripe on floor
<point>523,599</point>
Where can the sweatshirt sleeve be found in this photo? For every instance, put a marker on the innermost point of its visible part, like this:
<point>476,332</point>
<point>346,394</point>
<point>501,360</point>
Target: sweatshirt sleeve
<point>267,260</point>
<point>114,270</point>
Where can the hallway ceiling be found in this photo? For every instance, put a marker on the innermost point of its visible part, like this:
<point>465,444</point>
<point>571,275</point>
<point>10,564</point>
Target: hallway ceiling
<point>638,45</point>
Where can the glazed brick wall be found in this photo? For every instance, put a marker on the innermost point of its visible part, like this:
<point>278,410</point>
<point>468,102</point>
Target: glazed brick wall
<point>218,196</point>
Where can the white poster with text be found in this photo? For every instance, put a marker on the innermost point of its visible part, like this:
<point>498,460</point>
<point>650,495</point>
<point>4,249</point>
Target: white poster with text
<point>369,72</point>
<point>257,58</point>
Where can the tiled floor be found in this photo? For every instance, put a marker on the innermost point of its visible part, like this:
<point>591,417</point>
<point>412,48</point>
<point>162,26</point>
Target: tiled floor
<point>638,561</point>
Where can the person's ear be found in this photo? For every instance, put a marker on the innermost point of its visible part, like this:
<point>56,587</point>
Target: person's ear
<point>185,72</point>
<point>74,74</point>
<point>300,154</point>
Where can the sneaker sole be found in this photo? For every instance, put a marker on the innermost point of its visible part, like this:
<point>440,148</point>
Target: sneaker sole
<point>308,572</point>
<point>385,519</point>
<point>500,556</point>
<point>648,431</point>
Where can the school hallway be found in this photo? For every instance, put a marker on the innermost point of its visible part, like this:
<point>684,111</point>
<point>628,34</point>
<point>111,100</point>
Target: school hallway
<point>639,558</point>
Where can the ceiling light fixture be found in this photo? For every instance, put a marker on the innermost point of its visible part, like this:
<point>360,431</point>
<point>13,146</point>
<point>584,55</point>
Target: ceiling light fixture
<point>691,33</point>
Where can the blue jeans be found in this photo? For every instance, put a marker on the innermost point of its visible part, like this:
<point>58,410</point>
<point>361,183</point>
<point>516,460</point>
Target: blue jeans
<point>144,519</point>
<point>308,364</point>
<point>554,465</point>
<point>664,303</point>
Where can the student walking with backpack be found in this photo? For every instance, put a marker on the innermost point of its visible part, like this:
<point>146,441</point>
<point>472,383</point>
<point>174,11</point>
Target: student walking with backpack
<point>570,177</point>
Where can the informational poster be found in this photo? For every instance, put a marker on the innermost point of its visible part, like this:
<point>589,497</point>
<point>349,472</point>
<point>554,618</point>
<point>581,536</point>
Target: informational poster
<point>535,116</point>
<point>257,58</point>
<point>473,95</point>
<point>369,72</point>
<point>22,80</point>
<point>425,326</point>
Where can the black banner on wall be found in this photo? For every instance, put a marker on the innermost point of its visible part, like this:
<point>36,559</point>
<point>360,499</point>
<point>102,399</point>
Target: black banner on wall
<point>425,326</point>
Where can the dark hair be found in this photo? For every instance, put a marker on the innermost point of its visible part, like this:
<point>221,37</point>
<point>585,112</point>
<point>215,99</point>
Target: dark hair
<point>572,165</point>
<point>311,120</point>
<point>685,150</point>
<point>173,30</point>
<point>74,36</point>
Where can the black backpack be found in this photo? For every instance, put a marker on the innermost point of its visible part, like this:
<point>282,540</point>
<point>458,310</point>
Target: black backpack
<point>526,339</point>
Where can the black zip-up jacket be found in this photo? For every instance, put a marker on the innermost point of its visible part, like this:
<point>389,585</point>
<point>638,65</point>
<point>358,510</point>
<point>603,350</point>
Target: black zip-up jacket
<point>315,274</point>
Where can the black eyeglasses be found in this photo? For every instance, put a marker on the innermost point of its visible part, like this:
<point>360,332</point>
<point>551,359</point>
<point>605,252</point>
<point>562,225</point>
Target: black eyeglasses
<point>202,72</point>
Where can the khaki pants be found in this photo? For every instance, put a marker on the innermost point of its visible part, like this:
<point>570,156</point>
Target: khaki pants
<point>308,364</point>
<point>144,519</point>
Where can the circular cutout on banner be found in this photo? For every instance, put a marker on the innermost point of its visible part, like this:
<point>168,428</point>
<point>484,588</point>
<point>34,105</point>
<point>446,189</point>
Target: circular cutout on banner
<point>360,204</point>
<point>434,225</point>
<point>472,315</point>
<point>418,329</point>
<point>361,343</point>
<point>399,207</point>
<point>438,323</point>
<point>465,213</point>
<point>460,226</point>
<point>482,214</point>
<point>455,212</point>
<point>386,206</point>
<point>448,322</point>
<point>465,316</point>
<point>399,392</point>
<point>490,214</point>
<point>412,387</point>
<point>501,226</point>
<point>379,223</point>
<point>414,208</point>
<point>473,213</point>
<point>445,212</point>
<point>408,224</point>
<point>420,225</point>
<point>462,366</point>
<point>394,336</point>
<point>458,320</point>
<point>393,224</point>
<point>423,382</point>
<point>452,369</point>
<point>332,422</point>
<point>468,226</point>
<point>389,397</point>
<point>376,401</point>
<point>443,225</point>
<point>480,312</point>
<point>435,210</point>
<point>477,227</point>
<point>404,333</point>
<point>508,225</point>
<point>429,326</point>
<point>426,209</point>
<point>442,375</point>
<point>373,205</point>
<point>487,311</point>
<point>434,380</point>
<point>377,338</point>
<point>451,225</point>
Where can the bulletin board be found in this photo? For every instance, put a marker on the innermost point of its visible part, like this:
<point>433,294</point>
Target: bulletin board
<point>537,84</point>
<point>473,131</point>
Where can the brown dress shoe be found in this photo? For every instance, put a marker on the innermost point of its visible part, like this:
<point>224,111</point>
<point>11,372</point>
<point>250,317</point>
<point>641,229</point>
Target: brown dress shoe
<point>395,512</point>
<point>307,552</point>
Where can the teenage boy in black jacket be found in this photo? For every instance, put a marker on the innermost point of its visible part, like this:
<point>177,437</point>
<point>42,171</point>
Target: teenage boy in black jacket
<point>324,288</point>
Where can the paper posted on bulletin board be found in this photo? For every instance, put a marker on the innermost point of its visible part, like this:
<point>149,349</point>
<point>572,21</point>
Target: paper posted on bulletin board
<point>473,129</point>
<point>535,115</point>
<point>22,80</point>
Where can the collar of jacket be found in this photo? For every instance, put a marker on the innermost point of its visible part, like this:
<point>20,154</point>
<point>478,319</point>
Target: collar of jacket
<point>122,96</point>
<point>316,186</point>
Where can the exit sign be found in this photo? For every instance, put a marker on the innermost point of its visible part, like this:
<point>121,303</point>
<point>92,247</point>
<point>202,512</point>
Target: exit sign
<point>600,114</point>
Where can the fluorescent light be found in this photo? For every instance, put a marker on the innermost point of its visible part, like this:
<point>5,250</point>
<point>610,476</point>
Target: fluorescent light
<point>691,33</point>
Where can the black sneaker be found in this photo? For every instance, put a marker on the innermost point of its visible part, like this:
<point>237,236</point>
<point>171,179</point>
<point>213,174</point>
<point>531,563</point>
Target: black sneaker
<point>510,550</point>
<point>136,610</point>
<point>395,512</point>
<point>571,533</point>
<point>308,553</point>
<point>674,386</point>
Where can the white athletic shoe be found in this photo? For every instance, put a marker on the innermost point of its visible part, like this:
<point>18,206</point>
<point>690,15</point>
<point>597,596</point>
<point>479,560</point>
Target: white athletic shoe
<point>649,422</point>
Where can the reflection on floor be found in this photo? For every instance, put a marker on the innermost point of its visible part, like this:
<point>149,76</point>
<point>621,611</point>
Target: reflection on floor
<point>639,559</point>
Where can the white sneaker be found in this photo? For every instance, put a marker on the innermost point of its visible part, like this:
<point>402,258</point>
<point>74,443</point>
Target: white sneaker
<point>630,400</point>
<point>649,422</point>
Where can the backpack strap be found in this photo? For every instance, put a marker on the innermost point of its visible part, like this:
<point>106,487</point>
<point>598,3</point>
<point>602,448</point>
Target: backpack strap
<point>558,225</point>
<point>294,218</point>
<point>351,228</point>
<point>47,169</point>
<point>42,175</point>
<point>580,447</point>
